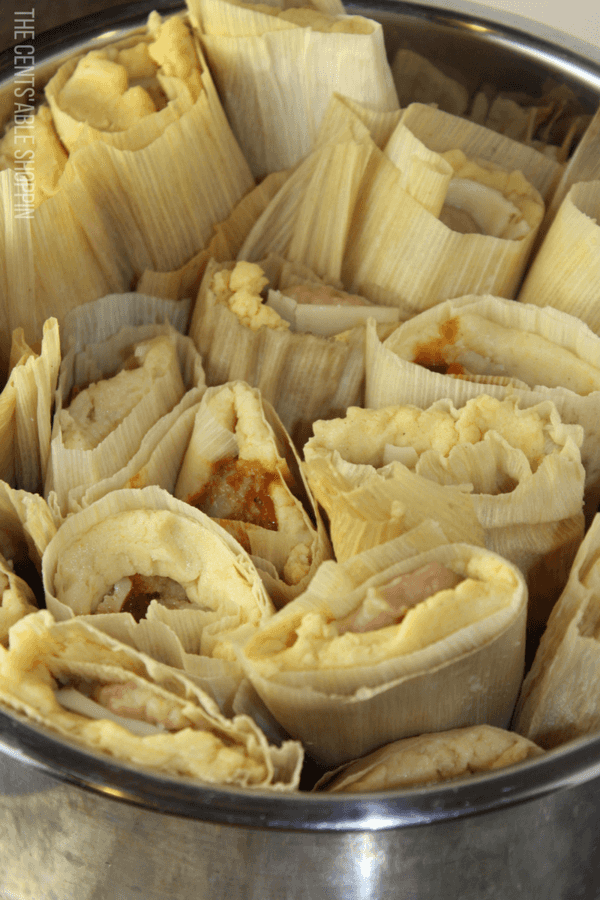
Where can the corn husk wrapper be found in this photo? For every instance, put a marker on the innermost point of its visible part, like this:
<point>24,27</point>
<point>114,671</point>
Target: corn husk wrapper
<point>26,408</point>
<point>559,698</point>
<point>99,320</point>
<point>411,680</point>
<point>80,461</point>
<point>48,663</point>
<point>241,468</point>
<point>322,376</point>
<point>584,165</point>
<point>399,254</point>
<point>566,270</point>
<point>138,76</point>
<point>27,526</point>
<point>121,212</point>
<point>522,469</point>
<point>296,226</point>
<point>234,37</point>
<point>426,175</point>
<point>488,345</point>
<point>16,599</point>
<point>213,590</point>
<point>431,759</point>
<point>225,244</point>
<point>441,131</point>
<point>367,507</point>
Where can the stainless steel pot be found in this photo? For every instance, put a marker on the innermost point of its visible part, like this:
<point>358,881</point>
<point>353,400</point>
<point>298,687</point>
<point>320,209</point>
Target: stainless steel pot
<point>76,826</point>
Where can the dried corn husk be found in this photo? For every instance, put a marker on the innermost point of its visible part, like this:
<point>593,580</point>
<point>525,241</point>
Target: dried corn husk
<point>425,174</point>
<point>584,165</point>
<point>241,468</point>
<point>135,378</point>
<point>16,599</point>
<point>559,698</point>
<point>26,407</point>
<point>367,507</point>
<point>99,320</point>
<point>73,661</point>
<point>127,94</point>
<point>488,345</point>
<point>399,254</point>
<point>225,244</point>
<point>27,526</point>
<point>441,132</point>
<point>213,588</point>
<point>276,115</point>
<point>344,695</point>
<point>322,376</point>
<point>120,212</point>
<point>522,469</point>
<point>431,759</point>
<point>566,270</point>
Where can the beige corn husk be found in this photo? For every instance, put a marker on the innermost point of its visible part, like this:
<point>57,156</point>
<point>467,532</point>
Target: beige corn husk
<point>100,319</point>
<point>241,468</point>
<point>442,131</point>
<point>565,272</point>
<point>121,212</point>
<point>150,533</point>
<point>44,165</point>
<point>322,376</point>
<point>559,698</point>
<point>522,467</point>
<point>128,117</point>
<point>201,743</point>
<point>276,116</point>
<point>26,409</point>
<point>78,464</point>
<point>425,174</point>
<point>27,526</point>
<point>399,254</point>
<point>489,345</point>
<point>16,599</point>
<point>584,165</point>
<point>225,244</point>
<point>367,507</point>
<point>432,672</point>
<point>431,759</point>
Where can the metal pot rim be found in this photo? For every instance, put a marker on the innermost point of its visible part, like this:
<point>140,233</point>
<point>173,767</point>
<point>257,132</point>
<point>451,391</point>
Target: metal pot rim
<point>566,766</point>
<point>37,747</point>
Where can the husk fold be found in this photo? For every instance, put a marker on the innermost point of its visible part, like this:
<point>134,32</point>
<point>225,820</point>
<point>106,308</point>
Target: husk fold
<point>201,744</point>
<point>470,676</point>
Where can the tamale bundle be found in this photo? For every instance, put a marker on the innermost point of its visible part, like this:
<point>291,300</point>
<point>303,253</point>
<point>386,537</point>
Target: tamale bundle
<point>242,338</point>
<point>566,270</point>
<point>111,403</point>
<point>25,409</point>
<point>148,556</point>
<point>430,642</point>
<point>488,345</point>
<point>385,229</point>
<point>520,468</point>
<point>16,599</point>
<point>277,113</point>
<point>127,200</point>
<point>241,468</point>
<point>102,694</point>
<point>431,759</point>
<point>559,699</point>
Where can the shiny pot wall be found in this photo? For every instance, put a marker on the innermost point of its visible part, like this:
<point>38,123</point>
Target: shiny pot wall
<point>75,826</point>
